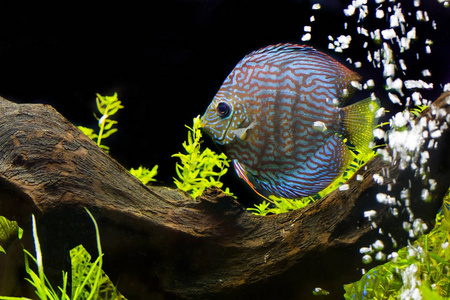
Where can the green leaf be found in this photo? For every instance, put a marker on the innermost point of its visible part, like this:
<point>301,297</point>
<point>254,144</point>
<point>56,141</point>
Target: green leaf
<point>446,207</point>
<point>89,132</point>
<point>109,124</point>
<point>260,209</point>
<point>106,148</point>
<point>106,106</point>
<point>9,232</point>
<point>89,281</point>
<point>145,175</point>
<point>439,259</point>
<point>428,294</point>
<point>109,132</point>
<point>199,169</point>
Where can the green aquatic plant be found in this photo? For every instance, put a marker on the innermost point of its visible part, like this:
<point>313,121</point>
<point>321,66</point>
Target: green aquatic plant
<point>39,281</point>
<point>446,210</point>
<point>277,205</point>
<point>88,279</point>
<point>144,174</point>
<point>107,106</point>
<point>199,169</point>
<point>420,268</point>
<point>9,231</point>
<point>417,110</point>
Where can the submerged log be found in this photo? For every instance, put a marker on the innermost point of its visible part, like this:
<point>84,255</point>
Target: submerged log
<point>159,243</point>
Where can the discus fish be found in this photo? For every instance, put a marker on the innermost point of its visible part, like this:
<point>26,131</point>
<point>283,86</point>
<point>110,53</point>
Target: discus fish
<point>280,117</point>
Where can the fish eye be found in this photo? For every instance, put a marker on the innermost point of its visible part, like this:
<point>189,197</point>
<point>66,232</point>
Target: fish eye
<point>223,109</point>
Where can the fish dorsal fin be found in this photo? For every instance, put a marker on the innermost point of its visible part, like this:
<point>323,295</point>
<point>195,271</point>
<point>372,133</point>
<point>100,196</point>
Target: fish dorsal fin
<point>358,122</point>
<point>283,47</point>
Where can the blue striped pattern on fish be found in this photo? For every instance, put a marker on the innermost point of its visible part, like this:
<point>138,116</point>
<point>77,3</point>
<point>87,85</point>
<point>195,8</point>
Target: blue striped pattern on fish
<point>278,117</point>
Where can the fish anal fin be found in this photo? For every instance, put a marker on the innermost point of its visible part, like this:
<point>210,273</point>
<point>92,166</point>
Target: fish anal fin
<point>358,122</point>
<point>242,173</point>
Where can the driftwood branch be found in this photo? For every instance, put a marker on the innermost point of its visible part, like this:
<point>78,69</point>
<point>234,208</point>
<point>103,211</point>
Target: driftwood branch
<point>159,242</point>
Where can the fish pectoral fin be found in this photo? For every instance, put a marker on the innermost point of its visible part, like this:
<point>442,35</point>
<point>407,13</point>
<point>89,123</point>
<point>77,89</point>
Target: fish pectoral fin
<point>242,132</point>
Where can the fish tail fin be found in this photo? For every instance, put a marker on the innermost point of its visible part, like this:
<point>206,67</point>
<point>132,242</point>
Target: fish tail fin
<point>358,122</point>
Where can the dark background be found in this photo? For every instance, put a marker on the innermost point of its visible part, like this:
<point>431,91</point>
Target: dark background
<point>167,59</point>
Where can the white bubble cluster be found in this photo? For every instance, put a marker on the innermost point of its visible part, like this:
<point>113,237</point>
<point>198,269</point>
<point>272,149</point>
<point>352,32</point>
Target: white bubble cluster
<point>411,283</point>
<point>357,5</point>
<point>418,84</point>
<point>385,199</point>
<point>396,30</point>
<point>340,44</point>
<point>408,136</point>
<point>307,29</point>
<point>408,141</point>
<point>393,44</point>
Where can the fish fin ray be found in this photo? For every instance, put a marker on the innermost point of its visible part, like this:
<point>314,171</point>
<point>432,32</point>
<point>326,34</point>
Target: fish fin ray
<point>358,122</point>
<point>242,173</point>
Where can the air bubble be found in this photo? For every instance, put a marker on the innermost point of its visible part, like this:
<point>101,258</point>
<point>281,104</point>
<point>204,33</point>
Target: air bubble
<point>344,187</point>
<point>378,179</point>
<point>378,245</point>
<point>306,37</point>
<point>367,259</point>
<point>380,256</point>
<point>369,214</point>
<point>379,14</point>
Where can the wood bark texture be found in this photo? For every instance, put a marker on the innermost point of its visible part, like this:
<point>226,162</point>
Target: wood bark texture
<point>159,243</point>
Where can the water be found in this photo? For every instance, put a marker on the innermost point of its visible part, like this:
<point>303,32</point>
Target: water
<point>167,62</point>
